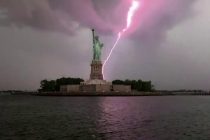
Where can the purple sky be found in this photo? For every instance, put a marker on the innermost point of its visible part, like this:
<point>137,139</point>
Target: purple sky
<point>168,43</point>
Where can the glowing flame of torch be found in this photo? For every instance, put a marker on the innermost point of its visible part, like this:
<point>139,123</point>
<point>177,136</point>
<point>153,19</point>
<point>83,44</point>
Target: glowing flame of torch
<point>134,7</point>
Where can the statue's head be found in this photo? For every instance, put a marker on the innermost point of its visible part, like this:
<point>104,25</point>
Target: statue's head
<point>96,37</point>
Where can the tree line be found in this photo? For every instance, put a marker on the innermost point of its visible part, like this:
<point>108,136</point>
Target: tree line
<point>54,85</point>
<point>138,85</point>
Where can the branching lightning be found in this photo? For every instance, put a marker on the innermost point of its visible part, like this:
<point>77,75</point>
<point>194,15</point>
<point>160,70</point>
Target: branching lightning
<point>132,10</point>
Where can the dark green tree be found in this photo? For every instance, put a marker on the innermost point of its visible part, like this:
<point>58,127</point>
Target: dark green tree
<point>138,85</point>
<point>54,85</point>
<point>48,85</point>
<point>67,81</point>
<point>118,82</point>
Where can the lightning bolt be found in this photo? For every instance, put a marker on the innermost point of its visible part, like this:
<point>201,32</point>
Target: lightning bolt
<point>132,10</point>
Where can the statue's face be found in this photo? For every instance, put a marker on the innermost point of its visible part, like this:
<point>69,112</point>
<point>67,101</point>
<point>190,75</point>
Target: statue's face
<point>96,37</point>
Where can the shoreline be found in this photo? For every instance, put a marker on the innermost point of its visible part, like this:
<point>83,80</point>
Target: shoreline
<point>111,94</point>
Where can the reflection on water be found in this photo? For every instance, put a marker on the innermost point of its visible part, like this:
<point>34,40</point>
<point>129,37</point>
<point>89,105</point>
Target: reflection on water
<point>118,119</point>
<point>111,118</point>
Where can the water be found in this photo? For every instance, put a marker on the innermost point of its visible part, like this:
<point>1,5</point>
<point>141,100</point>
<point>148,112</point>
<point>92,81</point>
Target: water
<point>105,118</point>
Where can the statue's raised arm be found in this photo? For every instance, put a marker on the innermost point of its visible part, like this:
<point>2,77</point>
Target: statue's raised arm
<point>93,31</point>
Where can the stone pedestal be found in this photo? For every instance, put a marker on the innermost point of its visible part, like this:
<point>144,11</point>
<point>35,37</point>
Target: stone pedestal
<point>96,70</point>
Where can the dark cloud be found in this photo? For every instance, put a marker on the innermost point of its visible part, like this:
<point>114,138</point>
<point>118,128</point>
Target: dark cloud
<point>151,22</point>
<point>30,13</point>
<point>53,15</point>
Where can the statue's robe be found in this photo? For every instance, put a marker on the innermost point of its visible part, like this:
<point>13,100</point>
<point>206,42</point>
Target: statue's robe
<point>97,51</point>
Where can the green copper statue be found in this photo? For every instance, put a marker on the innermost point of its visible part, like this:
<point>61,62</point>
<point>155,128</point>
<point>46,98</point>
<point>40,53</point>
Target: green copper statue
<point>97,47</point>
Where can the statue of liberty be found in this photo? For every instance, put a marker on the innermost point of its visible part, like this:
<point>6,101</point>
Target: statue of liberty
<point>97,47</point>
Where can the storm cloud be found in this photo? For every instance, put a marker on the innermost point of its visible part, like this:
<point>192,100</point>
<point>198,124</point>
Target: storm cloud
<point>151,22</point>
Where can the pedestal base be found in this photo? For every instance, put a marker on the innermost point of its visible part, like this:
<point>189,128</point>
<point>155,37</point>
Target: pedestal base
<point>96,70</point>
